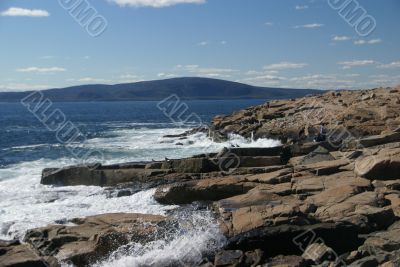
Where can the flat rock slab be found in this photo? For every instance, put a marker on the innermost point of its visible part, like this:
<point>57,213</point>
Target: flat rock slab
<point>203,190</point>
<point>96,175</point>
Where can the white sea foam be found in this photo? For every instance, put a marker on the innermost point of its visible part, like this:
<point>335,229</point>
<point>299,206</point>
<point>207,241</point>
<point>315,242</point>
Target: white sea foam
<point>196,236</point>
<point>149,144</point>
<point>25,204</point>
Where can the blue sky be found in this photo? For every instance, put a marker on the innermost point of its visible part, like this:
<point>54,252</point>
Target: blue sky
<point>277,43</point>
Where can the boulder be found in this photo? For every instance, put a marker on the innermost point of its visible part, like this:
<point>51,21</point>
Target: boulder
<point>94,238</point>
<point>385,165</point>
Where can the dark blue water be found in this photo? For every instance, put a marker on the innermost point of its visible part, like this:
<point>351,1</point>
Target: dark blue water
<point>24,138</point>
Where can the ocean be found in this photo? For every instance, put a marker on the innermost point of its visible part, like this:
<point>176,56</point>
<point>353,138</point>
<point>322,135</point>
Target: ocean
<point>122,132</point>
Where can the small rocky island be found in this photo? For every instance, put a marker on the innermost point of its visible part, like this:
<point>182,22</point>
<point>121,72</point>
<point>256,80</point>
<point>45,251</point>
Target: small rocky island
<point>328,196</point>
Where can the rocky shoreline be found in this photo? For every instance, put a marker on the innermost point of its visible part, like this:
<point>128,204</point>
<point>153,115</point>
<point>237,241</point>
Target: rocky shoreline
<point>330,203</point>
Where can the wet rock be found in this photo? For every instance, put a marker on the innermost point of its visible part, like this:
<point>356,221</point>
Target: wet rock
<point>95,175</point>
<point>15,254</point>
<point>124,193</point>
<point>191,165</point>
<point>287,261</point>
<point>228,258</point>
<point>254,258</point>
<point>154,165</point>
<point>93,238</point>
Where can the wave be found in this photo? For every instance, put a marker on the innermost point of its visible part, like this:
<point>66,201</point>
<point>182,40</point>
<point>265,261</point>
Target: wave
<point>196,236</point>
<point>26,204</point>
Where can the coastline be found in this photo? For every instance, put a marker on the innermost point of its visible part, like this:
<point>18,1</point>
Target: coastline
<point>343,191</point>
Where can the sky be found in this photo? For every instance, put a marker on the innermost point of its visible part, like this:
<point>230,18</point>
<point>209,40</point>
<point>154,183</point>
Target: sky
<point>274,43</point>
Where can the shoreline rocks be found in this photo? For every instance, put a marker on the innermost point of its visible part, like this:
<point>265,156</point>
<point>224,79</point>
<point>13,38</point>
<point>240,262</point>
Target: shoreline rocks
<point>300,204</point>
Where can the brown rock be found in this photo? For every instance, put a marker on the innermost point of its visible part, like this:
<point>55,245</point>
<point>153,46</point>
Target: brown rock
<point>15,254</point>
<point>93,238</point>
<point>277,177</point>
<point>324,167</point>
<point>385,165</point>
<point>201,190</point>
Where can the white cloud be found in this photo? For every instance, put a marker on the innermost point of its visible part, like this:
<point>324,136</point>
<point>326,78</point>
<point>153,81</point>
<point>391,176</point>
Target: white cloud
<point>89,80</point>
<point>309,26</point>
<point>155,3</point>
<point>322,81</point>
<point>41,70</point>
<point>285,65</point>
<point>360,42</point>
<point>22,87</point>
<point>375,41</point>
<point>166,75</point>
<point>22,12</point>
<point>203,43</point>
<point>269,23</point>
<point>128,76</point>
<point>395,64</point>
<point>363,42</point>
<point>340,38</point>
<point>298,7</point>
<point>205,72</point>
<point>223,42</point>
<point>355,63</point>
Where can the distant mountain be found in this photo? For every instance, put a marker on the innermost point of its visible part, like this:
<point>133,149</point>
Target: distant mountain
<point>186,88</point>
